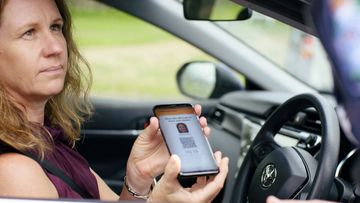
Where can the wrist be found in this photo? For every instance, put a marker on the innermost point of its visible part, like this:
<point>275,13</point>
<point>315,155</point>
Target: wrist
<point>134,193</point>
<point>137,180</point>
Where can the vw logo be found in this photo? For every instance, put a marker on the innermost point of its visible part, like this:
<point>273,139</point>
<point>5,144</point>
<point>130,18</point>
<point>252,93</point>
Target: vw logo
<point>268,175</point>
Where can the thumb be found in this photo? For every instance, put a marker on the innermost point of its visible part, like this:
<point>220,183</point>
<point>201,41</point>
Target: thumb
<point>172,169</point>
<point>151,129</point>
<point>272,199</point>
<point>168,184</point>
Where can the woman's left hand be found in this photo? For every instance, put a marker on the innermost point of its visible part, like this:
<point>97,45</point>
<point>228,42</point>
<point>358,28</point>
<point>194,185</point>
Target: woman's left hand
<point>149,155</point>
<point>204,190</point>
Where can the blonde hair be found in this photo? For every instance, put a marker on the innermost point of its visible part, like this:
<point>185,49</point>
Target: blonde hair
<point>67,110</point>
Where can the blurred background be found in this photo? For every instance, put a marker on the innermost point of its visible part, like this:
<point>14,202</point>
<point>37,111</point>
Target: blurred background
<point>135,60</point>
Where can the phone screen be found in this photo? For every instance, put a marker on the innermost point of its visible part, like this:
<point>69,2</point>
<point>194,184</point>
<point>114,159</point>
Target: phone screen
<point>184,137</point>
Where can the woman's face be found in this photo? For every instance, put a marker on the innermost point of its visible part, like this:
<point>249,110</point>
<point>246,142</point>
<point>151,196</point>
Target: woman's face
<point>33,52</point>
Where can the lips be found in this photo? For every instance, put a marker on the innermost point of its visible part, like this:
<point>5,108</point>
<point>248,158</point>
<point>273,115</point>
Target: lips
<point>52,69</point>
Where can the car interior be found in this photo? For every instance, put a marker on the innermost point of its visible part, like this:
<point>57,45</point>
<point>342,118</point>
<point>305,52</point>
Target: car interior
<point>304,125</point>
<point>282,136</point>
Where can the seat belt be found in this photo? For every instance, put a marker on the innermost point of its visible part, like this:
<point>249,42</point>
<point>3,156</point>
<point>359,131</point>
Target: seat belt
<point>60,174</point>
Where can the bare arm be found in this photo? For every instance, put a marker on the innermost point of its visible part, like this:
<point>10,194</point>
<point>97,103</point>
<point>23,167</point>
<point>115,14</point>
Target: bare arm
<point>107,194</point>
<point>21,176</point>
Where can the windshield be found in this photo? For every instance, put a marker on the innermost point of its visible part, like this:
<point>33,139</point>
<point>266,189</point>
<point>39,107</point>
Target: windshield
<point>296,52</point>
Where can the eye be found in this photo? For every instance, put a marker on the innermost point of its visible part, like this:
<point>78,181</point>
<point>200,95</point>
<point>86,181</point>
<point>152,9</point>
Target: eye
<point>28,34</point>
<point>56,27</point>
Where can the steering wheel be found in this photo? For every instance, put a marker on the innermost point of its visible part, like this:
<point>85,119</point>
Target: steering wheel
<point>289,172</point>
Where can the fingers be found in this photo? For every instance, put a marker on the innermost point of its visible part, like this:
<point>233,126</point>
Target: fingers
<point>203,191</point>
<point>218,156</point>
<point>272,199</point>
<point>203,121</point>
<point>197,109</point>
<point>168,187</point>
<point>153,124</point>
<point>203,124</point>
<point>216,183</point>
<point>207,131</point>
<point>172,169</point>
<point>223,167</point>
<point>200,183</point>
<point>201,180</point>
<point>152,129</point>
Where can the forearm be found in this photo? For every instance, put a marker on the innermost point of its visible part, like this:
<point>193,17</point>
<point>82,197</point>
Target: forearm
<point>105,192</point>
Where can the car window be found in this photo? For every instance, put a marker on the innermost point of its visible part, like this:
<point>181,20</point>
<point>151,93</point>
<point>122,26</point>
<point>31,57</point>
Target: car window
<point>298,53</point>
<point>129,57</point>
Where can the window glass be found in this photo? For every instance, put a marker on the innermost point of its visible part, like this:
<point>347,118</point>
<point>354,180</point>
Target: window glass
<point>298,53</point>
<point>129,57</point>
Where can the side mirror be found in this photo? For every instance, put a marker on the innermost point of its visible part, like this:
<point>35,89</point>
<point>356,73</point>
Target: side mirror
<point>204,80</point>
<point>215,10</point>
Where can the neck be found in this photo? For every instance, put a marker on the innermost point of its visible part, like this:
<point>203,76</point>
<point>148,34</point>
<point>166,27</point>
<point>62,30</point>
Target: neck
<point>33,109</point>
<point>35,112</point>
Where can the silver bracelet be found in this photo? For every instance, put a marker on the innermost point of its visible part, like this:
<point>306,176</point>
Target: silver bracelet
<point>136,194</point>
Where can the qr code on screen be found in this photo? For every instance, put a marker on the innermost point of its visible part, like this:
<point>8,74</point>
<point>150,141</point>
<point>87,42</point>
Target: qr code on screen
<point>187,142</point>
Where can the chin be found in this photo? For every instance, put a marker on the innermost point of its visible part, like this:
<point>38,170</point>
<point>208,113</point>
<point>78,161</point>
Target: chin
<point>54,93</point>
<point>53,89</point>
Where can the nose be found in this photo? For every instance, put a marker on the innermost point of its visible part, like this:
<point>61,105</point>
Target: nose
<point>54,45</point>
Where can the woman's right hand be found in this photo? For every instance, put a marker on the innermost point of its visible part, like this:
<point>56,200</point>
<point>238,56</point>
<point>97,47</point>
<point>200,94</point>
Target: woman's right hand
<point>204,190</point>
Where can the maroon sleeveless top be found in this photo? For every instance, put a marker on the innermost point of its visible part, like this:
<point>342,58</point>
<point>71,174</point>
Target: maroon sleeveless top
<point>71,163</point>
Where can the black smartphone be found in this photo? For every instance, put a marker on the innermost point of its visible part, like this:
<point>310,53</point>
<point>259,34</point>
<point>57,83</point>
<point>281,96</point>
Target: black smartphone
<point>184,137</point>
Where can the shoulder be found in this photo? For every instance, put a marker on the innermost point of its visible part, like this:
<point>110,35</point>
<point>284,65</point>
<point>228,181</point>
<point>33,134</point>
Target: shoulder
<point>18,173</point>
<point>18,162</point>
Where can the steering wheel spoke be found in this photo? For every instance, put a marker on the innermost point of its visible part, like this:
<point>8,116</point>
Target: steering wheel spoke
<point>262,147</point>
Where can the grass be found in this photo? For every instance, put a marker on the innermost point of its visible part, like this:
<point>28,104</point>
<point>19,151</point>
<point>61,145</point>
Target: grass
<point>130,58</point>
<point>140,71</point>
<point>110,28</point>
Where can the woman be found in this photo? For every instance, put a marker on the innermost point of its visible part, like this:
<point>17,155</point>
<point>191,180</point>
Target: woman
<point>43,101</point>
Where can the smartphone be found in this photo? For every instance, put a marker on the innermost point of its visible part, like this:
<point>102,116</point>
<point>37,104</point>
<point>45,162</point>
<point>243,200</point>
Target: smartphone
<point>184,137</point>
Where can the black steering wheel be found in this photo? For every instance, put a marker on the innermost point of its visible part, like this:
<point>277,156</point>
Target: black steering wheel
<point>289,172</point>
